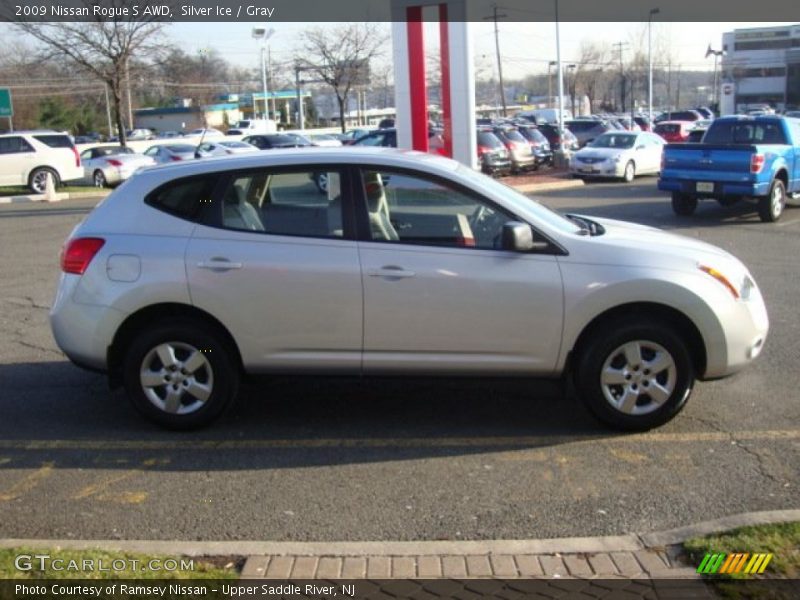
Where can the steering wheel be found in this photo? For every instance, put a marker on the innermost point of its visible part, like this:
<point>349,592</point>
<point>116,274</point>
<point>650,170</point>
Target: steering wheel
<point>484,222</point>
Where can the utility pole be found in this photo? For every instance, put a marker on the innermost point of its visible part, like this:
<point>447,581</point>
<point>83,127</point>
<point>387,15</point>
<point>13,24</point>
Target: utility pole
<point>552,63</point>
<point>128,80</point>
<point>108,112</point>
<point>619,46</point>
<point>495,16</point>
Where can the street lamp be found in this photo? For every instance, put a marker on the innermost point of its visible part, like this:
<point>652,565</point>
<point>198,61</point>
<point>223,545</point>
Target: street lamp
<point>263,34</point>
<point>653,11</point>
<point>552,63</point>
<point>572,87</point>
<point>717,54</point>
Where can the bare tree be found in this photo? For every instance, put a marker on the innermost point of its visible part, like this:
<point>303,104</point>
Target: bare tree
<point>103,48</point>
<point>593,59</point>
<point>340,56</point>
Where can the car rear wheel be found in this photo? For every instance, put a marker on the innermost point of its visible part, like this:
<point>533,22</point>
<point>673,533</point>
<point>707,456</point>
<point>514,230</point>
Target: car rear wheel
<point>37,182</point>
<point>683,204</point>
<point>99,179</point>
<point>635,374</point>
<point>770,208</point>
<point>180,374</point>
<point>630,172</point>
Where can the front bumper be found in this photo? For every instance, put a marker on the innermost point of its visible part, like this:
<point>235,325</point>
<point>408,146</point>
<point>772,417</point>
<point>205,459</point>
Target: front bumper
<point>599,169</point>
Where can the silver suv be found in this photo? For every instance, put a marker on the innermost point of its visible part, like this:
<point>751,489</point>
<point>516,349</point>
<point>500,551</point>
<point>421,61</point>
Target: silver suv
<point>192,275</point>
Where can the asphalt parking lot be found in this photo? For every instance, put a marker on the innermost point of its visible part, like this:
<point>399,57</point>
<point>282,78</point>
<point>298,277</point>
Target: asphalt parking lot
<point>342,459</point>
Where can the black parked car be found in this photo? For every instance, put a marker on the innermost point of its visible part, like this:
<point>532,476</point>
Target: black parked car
<point>273,140</point>
<point>550,131</point>
<point>492,154</point>
<point>540,146</point>
<point>386,138</point>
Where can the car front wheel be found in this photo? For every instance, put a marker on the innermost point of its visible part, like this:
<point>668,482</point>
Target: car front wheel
<point>630,172</point>
<point>635,375</point>
<point>180,374</point>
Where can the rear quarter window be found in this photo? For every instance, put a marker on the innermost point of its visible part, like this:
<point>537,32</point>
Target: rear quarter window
<point>185,198</point>
<point>54,141</point>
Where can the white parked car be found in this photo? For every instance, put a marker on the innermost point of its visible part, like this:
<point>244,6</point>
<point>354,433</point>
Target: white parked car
<point>442,271</point>
<point>27,157</point>
<point>205,133</point>
<point>110,165</point>
<point>619,154</point>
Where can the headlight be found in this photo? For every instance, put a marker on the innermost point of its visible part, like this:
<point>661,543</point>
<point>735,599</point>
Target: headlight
<point>722,279</point>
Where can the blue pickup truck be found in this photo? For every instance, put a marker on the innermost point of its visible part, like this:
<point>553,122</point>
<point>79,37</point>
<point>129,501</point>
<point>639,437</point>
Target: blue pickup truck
<point>740,158</point>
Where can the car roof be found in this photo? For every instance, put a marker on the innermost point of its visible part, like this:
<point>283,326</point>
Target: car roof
<point>297,156</point>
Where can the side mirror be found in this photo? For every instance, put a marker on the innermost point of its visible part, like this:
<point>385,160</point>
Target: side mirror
<point>518,237</point>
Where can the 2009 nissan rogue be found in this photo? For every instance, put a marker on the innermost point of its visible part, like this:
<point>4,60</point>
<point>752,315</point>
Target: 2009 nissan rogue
<point>190,276</point>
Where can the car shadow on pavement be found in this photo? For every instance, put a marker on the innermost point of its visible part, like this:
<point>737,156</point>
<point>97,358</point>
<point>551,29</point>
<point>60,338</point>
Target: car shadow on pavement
<point>70,418</point>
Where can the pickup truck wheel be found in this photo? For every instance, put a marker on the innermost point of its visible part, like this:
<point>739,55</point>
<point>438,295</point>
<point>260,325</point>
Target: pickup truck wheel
<point>683,204</point>
<point>770,208</point>
<point>635,374</point>
<point>630,172</point>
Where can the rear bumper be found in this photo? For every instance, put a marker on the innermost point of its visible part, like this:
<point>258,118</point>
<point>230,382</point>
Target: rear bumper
<point>720,188</point>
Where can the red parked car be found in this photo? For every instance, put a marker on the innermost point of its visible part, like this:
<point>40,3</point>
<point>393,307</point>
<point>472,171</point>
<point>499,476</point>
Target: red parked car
<point>674,131</point>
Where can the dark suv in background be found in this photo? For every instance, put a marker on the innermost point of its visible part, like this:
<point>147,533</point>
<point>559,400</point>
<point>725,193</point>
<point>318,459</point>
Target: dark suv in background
<point>587,130</point>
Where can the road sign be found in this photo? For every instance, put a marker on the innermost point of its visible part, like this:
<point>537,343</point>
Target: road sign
<point>6,108</point>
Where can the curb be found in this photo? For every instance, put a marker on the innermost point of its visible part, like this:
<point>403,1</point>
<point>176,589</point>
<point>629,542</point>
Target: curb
<point>623,543</point>
<point>58,197</point>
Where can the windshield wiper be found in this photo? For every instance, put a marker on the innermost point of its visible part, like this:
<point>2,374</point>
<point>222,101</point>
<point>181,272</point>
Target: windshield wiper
<point>585,227</point>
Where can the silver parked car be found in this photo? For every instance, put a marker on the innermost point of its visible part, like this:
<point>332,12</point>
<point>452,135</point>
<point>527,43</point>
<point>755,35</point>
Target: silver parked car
<point>171,152</point>
<point>443,271</point>
<point>109,165</point>
<point>619,154</point>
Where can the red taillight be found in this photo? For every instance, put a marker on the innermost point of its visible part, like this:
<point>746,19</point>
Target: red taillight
<point>77,156</point>
<point>756,163</point>
<point>114,162</point>
<point>483,150</point>
<point>78,253</point>
<point>175,158</point>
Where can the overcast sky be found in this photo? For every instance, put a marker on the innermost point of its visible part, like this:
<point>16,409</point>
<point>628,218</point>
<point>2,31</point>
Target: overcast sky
<point>525,47</point>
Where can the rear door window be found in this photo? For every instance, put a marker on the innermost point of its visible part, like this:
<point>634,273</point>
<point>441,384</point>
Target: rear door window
<point>14,145</point>
<point>54,141</point>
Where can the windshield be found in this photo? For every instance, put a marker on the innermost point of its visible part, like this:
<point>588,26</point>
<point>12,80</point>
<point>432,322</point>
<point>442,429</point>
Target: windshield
<point>614,140</point>
<point>522,204</point>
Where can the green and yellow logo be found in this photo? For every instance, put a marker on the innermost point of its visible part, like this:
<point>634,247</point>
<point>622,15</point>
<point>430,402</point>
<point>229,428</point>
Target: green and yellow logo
<point>741,562</point>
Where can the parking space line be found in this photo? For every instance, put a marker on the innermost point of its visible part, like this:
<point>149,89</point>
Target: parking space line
<point>101,491</point>
<point>785,223</point>
<point>352,443</point>
<point>27,483</point>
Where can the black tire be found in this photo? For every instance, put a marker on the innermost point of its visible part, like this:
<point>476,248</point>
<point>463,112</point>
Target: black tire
<point>37,179</point>
<point>770,207</point>
<point>683,205</point>
<point>218,374</point>
<point>99,179</point>
<point>630,172</point>
<point>657,341</point>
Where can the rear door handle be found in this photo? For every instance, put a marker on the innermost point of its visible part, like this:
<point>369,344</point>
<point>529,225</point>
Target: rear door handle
<point>219,264</point>
<point>391,272</point>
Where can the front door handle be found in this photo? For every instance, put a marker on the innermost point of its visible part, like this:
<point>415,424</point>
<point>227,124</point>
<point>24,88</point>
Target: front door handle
<point>391,272</point>
<point>219,264</point>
